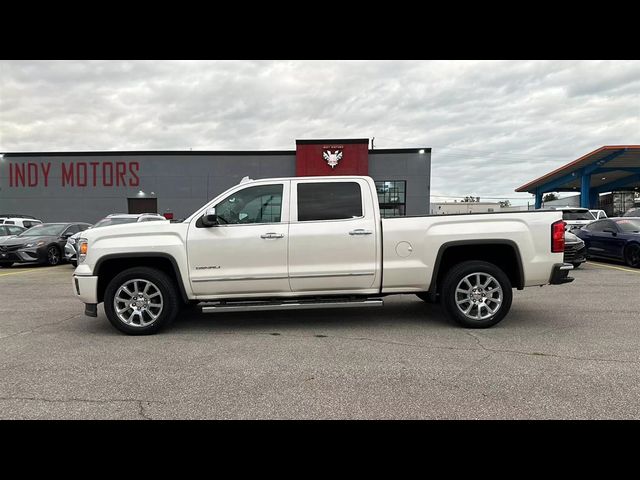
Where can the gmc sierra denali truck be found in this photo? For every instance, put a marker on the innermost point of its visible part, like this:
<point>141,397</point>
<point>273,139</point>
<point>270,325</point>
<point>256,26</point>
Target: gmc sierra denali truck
<point>314,242</point>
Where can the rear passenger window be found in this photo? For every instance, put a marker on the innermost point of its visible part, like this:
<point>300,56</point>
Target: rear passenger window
<point>10,222</point>
<point>329,201</point>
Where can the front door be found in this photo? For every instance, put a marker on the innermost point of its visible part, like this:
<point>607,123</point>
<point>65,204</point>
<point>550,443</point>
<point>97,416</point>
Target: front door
<point>332,237</point>
<point>246,253</point>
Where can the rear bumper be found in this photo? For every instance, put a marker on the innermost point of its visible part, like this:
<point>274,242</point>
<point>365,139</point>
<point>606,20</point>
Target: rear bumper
<point>559,274</point>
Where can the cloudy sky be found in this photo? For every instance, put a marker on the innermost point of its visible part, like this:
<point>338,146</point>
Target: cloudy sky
<point>492,125</point>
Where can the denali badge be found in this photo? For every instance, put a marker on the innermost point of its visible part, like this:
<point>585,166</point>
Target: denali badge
<point>332,158</point>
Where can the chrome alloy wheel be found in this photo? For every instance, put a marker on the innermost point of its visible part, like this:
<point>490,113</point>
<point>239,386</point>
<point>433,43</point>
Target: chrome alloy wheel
<point>478,296</point>
<point>138,302</point>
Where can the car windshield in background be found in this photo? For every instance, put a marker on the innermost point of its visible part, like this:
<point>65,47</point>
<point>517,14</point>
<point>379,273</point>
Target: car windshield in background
<point>629,225</point>
<point>577,215</point>
<point>53,229</point>
<point>105,222</point>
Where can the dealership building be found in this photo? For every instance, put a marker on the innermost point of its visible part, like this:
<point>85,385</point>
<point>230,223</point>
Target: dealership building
<point>86,186</point>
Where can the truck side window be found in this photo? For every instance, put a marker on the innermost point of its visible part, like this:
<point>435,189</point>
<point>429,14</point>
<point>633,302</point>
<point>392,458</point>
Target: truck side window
<point>260,204</point>
<point>329,201</point>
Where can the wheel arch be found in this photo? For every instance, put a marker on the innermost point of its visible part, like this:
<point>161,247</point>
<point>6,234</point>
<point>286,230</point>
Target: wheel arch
<point>503,253</point>
<point>108,266</point>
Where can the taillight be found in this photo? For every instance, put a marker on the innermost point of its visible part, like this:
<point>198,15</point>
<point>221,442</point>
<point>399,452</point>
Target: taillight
<point>557,236</point>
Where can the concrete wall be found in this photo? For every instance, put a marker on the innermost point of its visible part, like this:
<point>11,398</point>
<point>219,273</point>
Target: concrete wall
<point>59,187</point>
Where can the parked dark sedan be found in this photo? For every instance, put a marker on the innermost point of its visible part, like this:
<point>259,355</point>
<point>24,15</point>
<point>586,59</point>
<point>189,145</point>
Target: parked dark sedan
<point>574,250</point>
<point>40,244</point>
<point>613,238</point>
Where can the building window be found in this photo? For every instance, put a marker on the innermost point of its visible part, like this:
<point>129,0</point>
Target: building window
<point>392,197</point>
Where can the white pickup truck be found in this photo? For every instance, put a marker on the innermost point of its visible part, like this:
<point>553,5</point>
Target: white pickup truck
<point>314,242</point>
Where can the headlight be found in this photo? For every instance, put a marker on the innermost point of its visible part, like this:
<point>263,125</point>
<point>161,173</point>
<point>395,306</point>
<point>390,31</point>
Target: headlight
<point>83,247</point>
<point>34,244</point>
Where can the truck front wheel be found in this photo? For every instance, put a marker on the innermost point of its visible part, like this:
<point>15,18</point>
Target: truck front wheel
<point>141,301</point>
<point>476,294</point>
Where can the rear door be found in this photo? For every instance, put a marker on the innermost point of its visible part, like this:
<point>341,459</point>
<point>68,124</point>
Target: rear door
<point>332,237</point>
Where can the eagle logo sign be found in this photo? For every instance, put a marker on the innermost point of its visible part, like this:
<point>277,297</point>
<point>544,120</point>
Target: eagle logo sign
<point>332,158</point>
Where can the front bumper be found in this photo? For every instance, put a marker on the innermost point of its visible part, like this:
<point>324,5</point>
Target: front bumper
<point>23,255</point>
<point>70,252</point>
<point>559,274</point>
<point>85,288</point>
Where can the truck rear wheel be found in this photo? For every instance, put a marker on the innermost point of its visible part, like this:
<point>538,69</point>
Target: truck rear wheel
<point>476,294</point>
<point>141,301</point>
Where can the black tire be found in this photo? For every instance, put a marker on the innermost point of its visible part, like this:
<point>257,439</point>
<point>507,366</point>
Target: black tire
<point>170,300</point>
<point>5,264</point>
<point>425,297</point>
<point>450,296</point>
<point>632,255</point>
<point>54,256</point>
<point>73,262</point>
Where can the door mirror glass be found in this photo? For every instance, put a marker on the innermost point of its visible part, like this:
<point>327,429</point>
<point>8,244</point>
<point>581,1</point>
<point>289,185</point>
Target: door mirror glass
<point>210,219</point>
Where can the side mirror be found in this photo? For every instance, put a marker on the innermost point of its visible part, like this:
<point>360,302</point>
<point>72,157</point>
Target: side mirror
<point>210,219</point>
<point>611,231</point>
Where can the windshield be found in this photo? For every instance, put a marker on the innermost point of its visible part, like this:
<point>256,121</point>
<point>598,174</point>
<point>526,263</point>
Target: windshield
<point>577,215</point>
<point>51,229</point>
<point>629,225</point>
<point>105,222</point>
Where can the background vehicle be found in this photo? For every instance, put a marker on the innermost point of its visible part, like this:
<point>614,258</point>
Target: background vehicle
<point>42,244</point>
<point>575,217</point>
<point>25,221</point>
<point>9,231</point>
<point>574,250</point>
<point>309,242</point>
<point>598,214</point>
<point>633,212</point>
<point>614,238</point>
<point>70,249</point>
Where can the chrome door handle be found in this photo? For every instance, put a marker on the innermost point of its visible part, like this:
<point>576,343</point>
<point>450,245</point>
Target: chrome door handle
<point>360,231</point>
<point>272,235</point>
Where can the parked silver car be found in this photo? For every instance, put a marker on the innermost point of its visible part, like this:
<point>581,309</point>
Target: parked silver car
<point>71,248</point>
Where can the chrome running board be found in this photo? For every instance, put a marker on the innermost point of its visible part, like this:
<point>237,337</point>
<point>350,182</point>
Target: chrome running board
<point>250,306</point>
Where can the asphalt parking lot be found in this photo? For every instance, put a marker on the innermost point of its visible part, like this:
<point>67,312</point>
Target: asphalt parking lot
<point>564,352</point>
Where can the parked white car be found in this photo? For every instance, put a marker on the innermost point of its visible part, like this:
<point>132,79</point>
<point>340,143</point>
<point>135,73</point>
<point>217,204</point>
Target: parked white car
<point>575,217</point>
<point>309,242</point>
<point>598,214</point>
<point>25,221</point>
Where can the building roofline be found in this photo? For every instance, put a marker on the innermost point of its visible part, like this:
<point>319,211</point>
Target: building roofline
<point>570,165</point>
<point>148,152</point>
<point>346,141</point>
<point>112,153</point>
<point>400,150</point>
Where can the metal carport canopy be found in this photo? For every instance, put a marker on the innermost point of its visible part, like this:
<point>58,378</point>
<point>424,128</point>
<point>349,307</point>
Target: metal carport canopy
<point>603,170</point>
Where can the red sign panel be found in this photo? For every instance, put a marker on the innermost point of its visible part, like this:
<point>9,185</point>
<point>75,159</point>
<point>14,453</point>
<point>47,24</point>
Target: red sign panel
<point>332,157</point>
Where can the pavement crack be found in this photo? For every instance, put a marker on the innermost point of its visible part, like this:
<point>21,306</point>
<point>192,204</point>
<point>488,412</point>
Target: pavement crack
<point>554,355</point>
<point>26,332</point>
<point>85,400</point>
